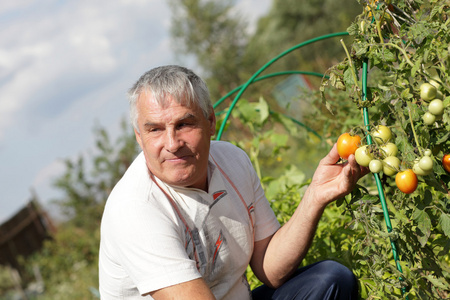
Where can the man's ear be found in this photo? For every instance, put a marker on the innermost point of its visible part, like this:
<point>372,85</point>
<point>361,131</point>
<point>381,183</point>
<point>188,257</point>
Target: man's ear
<point>138,137</point>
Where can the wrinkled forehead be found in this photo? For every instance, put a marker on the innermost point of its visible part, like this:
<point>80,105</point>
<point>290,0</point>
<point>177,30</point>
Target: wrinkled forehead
<point>164,99</point>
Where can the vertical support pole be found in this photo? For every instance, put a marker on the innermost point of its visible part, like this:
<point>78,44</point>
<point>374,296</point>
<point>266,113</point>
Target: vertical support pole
<point>387,219</point>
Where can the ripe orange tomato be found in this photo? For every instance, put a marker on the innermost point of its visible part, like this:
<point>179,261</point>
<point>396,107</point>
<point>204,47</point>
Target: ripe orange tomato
<point>347,144</point>
<point>406,181</point>
<point>446,162</point>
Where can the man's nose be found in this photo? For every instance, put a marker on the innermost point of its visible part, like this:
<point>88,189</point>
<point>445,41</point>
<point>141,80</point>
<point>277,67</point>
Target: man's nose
<point>173,141</point>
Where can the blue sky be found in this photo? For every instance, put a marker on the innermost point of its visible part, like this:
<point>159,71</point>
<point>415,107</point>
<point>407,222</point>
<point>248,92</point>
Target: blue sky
<point>65,65</point>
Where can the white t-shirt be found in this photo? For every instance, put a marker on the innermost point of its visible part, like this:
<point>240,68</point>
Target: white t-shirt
<point>154,235</point>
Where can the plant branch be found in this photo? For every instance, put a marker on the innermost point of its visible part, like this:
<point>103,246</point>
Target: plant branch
<point>352,69</point>
<point>413,130</point>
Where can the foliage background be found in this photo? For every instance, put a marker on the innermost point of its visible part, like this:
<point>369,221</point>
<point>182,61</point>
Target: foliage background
<point>352,230</point>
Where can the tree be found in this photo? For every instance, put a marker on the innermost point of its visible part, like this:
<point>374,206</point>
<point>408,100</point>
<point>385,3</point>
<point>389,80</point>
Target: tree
<point>88,181</point>
<point>215,35</point>
<point>69,262</point>
<point>292,21</point>
<point>397,50</point>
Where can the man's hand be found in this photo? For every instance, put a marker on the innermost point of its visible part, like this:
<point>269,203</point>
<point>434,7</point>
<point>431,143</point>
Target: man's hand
<point>332,181</point>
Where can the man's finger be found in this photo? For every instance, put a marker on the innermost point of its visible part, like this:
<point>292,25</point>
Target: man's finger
<point>332,156</point>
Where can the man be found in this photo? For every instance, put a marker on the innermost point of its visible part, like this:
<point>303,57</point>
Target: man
<point>189,215</point>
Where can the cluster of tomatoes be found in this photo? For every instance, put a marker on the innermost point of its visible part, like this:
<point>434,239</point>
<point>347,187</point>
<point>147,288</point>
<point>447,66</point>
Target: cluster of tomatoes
<point>382,157</point>
<point>432,96</point>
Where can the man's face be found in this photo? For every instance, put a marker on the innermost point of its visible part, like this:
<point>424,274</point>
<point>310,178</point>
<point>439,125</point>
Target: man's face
<point>175,140</point>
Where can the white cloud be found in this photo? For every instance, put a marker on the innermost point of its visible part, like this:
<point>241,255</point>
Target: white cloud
<point>64,65</point>
<point>252,10</point>
<point>71,43</point>
<point>48,173</point>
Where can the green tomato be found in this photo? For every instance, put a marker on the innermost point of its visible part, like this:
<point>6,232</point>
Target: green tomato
<point>428,118</point>
<point>426,163</point>
<point>389,149</point>
<point>427,152</point>
<point>436,107</point>
<point>435,82</point>
<point>375,166</point>
<point>427,92</point>
<point>363,156</point>
<point>391,165</point>
<point>382,134</point>
<point>416,169</point>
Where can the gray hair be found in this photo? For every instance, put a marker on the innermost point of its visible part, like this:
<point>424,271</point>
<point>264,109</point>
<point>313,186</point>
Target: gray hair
<point>180,83</point>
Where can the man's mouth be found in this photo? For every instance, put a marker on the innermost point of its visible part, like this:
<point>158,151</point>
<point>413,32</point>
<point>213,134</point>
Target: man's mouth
<point>178,159</point>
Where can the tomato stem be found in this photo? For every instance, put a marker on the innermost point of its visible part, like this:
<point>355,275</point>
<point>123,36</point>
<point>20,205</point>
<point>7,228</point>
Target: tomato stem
<point>402,51</point>
<point>408,61</point>
<point>413,130</point>
<point>352,69</point>
<point>377,22</point>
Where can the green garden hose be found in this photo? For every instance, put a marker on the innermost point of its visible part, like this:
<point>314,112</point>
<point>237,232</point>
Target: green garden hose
<point>270,76</point>
<point>255,75</point>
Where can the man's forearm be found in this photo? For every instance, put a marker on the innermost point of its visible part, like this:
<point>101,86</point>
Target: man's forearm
<point>276,258</point>
<point>290,243</point>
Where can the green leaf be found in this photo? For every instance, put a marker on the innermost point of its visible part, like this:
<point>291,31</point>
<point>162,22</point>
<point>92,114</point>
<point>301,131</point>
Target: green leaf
<point>444,138</point>
<point>416,67</point>
<point>279,140</point>
<point>353,29</point>
<point>406,94</point>
<point>263,108</point>
<point>444,221</point>
<point>388,55</point>
<point>348,77</point>
<point>336,81</point>
<point>424,226</point>
<point>438,282</point>
<point>446,101</point>
<point>248,112</point>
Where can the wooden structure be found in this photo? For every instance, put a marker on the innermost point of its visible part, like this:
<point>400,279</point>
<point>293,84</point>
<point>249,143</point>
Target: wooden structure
<point>24,233</point>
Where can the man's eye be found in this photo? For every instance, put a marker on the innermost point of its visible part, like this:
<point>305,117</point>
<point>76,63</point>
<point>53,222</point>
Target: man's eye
<point>183,125</point>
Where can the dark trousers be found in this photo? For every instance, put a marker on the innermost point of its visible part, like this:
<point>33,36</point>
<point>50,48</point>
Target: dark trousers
<point>322,280</point>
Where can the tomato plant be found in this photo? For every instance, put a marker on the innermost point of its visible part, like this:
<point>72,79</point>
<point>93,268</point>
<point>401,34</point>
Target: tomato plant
<point>406,181</point>
<point>347,144</point>
<point>396,71</point>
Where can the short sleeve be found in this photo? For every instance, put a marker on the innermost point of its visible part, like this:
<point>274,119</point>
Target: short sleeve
<point>150,245</point>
